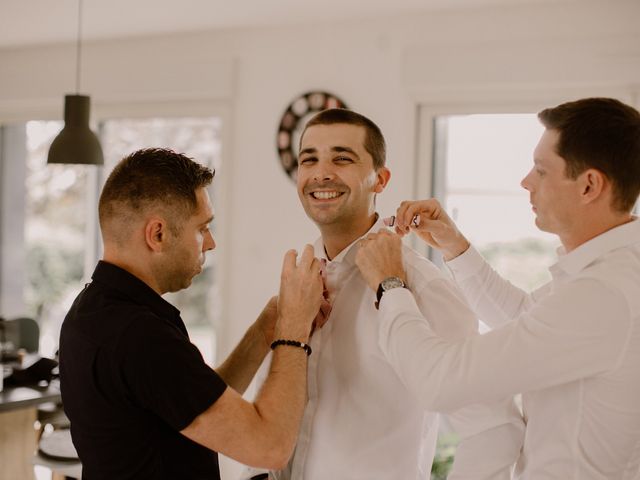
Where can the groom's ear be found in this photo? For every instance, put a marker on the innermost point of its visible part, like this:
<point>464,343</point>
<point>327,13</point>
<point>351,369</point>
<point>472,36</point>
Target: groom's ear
<point>383,175</point>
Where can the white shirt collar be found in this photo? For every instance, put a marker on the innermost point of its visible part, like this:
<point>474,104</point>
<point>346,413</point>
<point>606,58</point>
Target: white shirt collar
<point>348,254</point>
<point>622,236</point>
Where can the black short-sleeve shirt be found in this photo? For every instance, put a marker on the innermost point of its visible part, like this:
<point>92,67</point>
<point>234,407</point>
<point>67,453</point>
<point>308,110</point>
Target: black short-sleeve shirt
<point>131,380</point>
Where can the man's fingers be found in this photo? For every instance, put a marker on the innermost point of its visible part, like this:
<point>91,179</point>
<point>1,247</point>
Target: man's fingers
<point>423,210</point>
<point>315,266</point>
<point>400,213</point>
<point>400,231</point>
<point>306,258</point>
<point>431,226</point>
<point>409,210</point>
<point>317,282</point>
<point>325,307</point>
<point>379,257</point>
<point>384,237</point>
<point>289,262</point>
<point>323,313</point>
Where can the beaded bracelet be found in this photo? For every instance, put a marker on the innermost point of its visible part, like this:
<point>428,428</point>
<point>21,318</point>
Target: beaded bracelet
<point>292,343</point>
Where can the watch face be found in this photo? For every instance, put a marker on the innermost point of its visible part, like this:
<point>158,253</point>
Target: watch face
<point>293,121</point>
<point>392,282</point>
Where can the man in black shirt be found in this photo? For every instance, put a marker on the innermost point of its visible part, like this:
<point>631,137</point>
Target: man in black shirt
<point>141,400</point>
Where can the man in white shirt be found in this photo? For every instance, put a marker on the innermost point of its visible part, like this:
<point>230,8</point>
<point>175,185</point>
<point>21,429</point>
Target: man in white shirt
<point>572,347</point>
<point>361,420</point>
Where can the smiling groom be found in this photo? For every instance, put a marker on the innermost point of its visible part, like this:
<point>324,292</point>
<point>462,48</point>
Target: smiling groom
<point>361,420</point>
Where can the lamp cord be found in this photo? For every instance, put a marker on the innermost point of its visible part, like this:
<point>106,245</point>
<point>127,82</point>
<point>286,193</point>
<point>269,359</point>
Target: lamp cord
<point>78,47</point>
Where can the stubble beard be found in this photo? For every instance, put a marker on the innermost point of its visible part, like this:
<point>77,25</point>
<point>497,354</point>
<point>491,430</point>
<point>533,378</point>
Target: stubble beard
<point>323,218</point>
<point>177,274</point>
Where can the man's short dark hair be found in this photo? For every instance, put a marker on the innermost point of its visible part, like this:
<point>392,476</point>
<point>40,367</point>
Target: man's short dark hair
<point>153,177</point>
<point>374,142</point>
<point>604,134</point>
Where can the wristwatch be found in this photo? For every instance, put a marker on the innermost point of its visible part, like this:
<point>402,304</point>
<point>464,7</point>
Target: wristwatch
<point>387,284</point>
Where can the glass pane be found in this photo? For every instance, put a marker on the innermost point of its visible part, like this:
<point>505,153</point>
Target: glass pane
<point>490,152</point>
<point>55,225</point>
<point>485,158</point>
<point>200,139</point>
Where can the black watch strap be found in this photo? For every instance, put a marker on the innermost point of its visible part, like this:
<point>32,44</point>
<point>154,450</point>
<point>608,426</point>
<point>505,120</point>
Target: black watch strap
<point>388,284</point>
<point>379,293</point>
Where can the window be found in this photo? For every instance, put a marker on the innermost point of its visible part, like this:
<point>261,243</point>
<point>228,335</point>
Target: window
<point>480,161</point>
<point>61,234</point>
<point>55,233</point>
<point>200,139</point>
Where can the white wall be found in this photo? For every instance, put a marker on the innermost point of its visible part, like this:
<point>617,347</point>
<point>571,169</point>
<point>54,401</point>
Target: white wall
<point>384,69</point>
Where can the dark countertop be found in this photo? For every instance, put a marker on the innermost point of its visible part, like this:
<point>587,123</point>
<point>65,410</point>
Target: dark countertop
<point>17,398</point>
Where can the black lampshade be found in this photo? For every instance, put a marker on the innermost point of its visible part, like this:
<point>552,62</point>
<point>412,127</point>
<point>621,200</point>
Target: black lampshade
<point>76,143</point>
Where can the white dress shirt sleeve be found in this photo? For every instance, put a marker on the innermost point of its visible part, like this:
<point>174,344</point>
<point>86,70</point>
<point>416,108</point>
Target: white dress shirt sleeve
<point>494,299</point>
<point>491,434</point>
<point>490,454</point>
<point>578,330</point>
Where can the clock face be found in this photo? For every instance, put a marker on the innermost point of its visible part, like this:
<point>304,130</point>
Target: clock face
<point>293,121</point>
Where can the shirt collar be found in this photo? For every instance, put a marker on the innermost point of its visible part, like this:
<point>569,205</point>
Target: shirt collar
<point>621,236</point>
<point>348,255</point>
<point>128,284</point>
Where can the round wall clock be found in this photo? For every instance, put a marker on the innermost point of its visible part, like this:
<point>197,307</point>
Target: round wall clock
<point>293,121</point>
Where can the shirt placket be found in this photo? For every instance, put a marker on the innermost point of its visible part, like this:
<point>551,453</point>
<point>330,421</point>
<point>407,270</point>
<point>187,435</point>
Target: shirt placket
<point>332,273</point>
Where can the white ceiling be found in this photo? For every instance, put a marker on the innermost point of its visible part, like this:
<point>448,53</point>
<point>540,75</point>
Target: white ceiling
<point>29,22</point>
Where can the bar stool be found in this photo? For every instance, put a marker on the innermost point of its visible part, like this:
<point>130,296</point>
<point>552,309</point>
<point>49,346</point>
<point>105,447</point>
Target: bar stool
<point>57,453</point>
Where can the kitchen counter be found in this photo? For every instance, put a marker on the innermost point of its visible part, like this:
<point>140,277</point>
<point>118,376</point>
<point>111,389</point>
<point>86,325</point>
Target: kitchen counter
<point>15,398</point>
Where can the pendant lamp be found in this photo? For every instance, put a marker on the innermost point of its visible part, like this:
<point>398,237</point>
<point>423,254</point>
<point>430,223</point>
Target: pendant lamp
<point>76,143</point>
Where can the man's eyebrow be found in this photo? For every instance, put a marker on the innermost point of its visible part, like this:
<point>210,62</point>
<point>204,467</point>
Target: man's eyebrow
<point>307,150</point>
<point>208,220</point>
<point>340,149</point>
